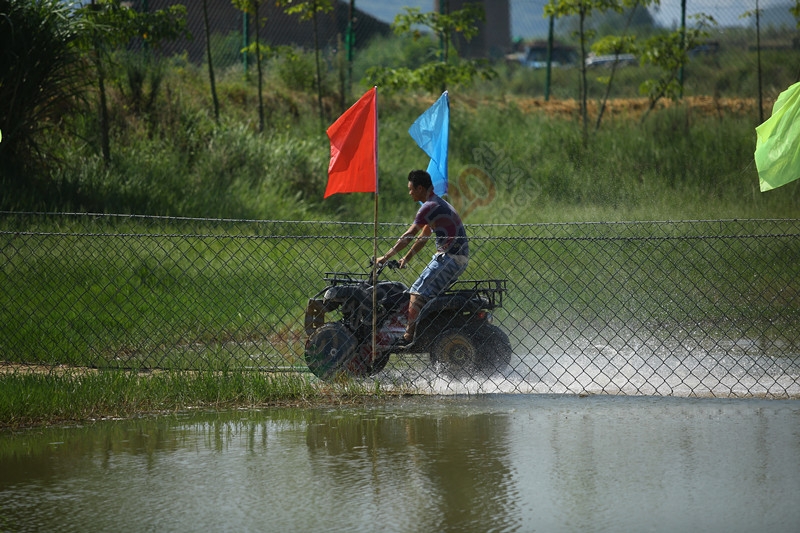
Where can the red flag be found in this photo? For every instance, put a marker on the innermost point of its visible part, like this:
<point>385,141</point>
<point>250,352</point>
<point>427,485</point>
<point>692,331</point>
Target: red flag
<point>354,148</point>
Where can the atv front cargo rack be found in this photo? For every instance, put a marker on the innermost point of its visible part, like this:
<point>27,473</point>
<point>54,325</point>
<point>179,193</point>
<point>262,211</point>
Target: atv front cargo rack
<point>345,278</point>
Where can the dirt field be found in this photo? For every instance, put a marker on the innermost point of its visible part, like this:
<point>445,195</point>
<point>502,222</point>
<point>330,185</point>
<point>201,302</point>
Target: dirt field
<point>627,107</point>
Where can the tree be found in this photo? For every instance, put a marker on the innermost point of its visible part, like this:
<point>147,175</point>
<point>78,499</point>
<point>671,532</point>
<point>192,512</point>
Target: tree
<point>211,78</point>
<point>435,75</point>
<point>670,52</point>
<point>111,25</point>
<point>251,7</point>
<point>757,14</point>
<point>582,9</point>
<point>621,44</point>
<point>42,77</point>
<point>308,10</point>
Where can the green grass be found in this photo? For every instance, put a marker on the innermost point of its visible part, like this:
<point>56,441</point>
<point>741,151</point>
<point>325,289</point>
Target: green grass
<point>57,397</point>
<point>188,297</point>
<point>99,300</point>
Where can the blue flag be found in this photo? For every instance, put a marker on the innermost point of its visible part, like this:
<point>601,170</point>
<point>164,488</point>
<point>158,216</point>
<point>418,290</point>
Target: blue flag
<point>430,131</point>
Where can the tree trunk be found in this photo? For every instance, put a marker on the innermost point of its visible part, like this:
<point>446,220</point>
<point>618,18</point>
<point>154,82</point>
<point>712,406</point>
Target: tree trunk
<point>105,137</point>
<point>607,95</point>
<point>260,76</point>
<point>319,73</point>
<point>210,63</point>
<point>583,91</point>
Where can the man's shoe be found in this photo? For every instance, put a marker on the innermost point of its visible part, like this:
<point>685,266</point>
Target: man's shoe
<point>402,342</point>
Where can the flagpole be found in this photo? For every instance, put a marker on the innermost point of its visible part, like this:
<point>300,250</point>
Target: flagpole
<point>375,243</point>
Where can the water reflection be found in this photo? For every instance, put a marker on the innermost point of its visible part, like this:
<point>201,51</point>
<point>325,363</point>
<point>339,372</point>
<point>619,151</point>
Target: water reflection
<point>450,470</point>
<point>495,463</point>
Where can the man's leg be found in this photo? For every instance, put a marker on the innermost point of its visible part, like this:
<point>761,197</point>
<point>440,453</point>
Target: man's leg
<point>415,305</point>
<point>434,279</point>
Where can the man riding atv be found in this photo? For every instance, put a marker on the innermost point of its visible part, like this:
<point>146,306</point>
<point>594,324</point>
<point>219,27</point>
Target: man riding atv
<point>452,249</point>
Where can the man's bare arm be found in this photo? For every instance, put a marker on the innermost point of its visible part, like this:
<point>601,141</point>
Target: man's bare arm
<point>403,241</point>
<point>419,244</point>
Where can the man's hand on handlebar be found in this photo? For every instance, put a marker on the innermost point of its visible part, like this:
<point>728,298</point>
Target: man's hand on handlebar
<point>392,264</point>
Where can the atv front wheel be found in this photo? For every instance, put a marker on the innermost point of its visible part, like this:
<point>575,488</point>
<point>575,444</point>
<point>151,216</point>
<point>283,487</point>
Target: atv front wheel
<point>363,364</point>
<point>329,350</point>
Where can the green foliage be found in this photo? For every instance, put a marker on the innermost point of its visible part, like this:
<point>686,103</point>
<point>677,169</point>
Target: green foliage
<point>222,172</point>
<point>306,9</point>
<point>111,25</point>
<point>583,9</point>
<point>173,158</point>
<point>143,75</point>
<point>226,49</point>
<point>614,44</point>
<point>430,77</point>
<point>296,70</point>
<point>42,78</point>
<point>669,52</point>
<point>677,164</point>
<point>114,24</point>
<point>401,51</point>
<point>434,76</point>
<point>444,25</point>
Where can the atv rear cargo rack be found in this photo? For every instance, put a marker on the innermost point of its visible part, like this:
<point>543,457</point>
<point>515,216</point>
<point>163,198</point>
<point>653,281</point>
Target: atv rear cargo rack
<point>490,289</point>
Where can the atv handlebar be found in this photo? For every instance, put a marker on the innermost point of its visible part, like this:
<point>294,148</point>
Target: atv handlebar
<point>393,264</point>
<point>342,278</point>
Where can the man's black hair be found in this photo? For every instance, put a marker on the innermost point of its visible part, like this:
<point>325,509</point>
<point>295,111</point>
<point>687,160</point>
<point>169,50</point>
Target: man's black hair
<point>420,177</point>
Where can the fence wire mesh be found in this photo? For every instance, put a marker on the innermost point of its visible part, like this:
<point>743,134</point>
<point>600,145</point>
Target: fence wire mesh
<point>708,308</point>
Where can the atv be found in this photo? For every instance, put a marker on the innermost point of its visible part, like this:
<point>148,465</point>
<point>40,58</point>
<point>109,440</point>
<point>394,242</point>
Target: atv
<point>455,328</point>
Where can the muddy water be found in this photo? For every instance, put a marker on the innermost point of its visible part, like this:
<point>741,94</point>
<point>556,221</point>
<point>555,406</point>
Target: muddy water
<point>487,463</point>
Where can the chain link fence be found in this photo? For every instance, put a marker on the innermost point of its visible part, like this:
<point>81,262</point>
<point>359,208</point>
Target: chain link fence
<point>692,308</point>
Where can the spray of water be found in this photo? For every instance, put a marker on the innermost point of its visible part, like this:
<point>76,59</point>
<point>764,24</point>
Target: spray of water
<point>623,362</point>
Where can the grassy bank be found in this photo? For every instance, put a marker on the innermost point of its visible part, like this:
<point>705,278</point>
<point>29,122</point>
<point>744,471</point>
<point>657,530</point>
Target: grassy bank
<point>31,398</point>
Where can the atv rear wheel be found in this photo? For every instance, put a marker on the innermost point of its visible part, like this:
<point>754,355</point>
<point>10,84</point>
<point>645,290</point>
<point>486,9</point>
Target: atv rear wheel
<point>329,350</point>
<point>456,351</point>
<point>494,349</point>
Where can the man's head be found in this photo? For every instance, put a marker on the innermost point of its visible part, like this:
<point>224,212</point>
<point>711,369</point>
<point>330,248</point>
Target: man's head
<point>419,185</point>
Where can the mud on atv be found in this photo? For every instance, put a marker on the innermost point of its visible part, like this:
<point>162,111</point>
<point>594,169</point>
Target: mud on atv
<point>455,328</point>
